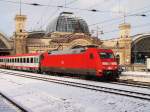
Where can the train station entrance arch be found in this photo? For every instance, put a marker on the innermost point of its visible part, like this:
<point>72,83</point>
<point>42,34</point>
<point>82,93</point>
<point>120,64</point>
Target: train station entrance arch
<point>5,47</point>
<point>140,48</point>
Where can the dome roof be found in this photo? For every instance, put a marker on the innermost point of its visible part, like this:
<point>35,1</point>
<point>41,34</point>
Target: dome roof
<point>67,22</point>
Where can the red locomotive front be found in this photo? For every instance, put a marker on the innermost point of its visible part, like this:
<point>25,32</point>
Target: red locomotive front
<point>108,66</point>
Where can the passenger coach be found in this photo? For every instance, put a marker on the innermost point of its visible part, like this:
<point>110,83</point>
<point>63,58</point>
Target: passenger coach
<point>29,62</point>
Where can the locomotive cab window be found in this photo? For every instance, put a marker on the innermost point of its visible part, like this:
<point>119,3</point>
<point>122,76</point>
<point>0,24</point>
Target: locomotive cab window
<point>106,55</point>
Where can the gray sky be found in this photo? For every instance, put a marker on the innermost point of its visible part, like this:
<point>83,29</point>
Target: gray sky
<point>39,16</point>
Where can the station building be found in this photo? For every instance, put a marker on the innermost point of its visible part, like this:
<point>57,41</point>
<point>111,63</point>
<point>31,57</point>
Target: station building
<point>69,31</point>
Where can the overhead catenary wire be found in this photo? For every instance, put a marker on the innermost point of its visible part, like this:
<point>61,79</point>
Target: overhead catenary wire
<point>133,27</point>
<point>59,6</point>
<point>93,10</point>
<point>43,13</point>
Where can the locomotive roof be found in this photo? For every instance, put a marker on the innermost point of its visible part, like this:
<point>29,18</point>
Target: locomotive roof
<point>68,51</point>
<point>76,50</point>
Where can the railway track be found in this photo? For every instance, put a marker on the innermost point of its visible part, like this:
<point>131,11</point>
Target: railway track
<point>132,84</point>
<point>133,94</point>
<point>13,103</point>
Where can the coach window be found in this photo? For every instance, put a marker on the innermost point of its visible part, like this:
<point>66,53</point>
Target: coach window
<point>34,60</point>
<point>31,60</point>
<point>13,60</point>
<point>24,60</point>
<point>37,60</point>
<point>27,60</point>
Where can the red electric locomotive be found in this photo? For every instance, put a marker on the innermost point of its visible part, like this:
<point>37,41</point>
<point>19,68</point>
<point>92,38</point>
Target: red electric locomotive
<point>82,61</point>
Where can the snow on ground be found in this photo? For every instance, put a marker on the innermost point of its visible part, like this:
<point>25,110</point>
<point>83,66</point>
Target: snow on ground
<point>5,106</point>
<point>137,74</point>
<point>90,82</point>
<point>40,96</point>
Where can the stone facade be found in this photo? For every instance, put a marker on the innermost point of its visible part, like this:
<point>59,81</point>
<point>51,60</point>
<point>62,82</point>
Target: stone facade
<point>20,35</point>
<point>33,42</point>
<point>38,41</point>
<point>122,45</point>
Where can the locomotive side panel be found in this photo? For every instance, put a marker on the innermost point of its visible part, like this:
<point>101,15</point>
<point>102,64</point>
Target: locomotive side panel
<point>72,63</point>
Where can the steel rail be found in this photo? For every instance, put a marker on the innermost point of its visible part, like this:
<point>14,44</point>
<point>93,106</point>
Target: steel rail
<point>127,93</point>
<point>13,102</point>
<point>131,84</point>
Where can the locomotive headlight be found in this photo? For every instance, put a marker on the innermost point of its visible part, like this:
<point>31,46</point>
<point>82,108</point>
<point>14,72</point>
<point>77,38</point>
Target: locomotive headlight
<point>105,63</point>
<point>114,63</point>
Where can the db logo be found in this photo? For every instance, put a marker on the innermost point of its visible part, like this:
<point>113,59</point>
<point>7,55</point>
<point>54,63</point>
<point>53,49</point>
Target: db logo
<point>62,62</point>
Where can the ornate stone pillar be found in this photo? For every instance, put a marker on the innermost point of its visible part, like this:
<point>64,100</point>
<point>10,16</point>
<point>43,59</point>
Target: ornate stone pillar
<point>125,44</point>
<point>20,35</point>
